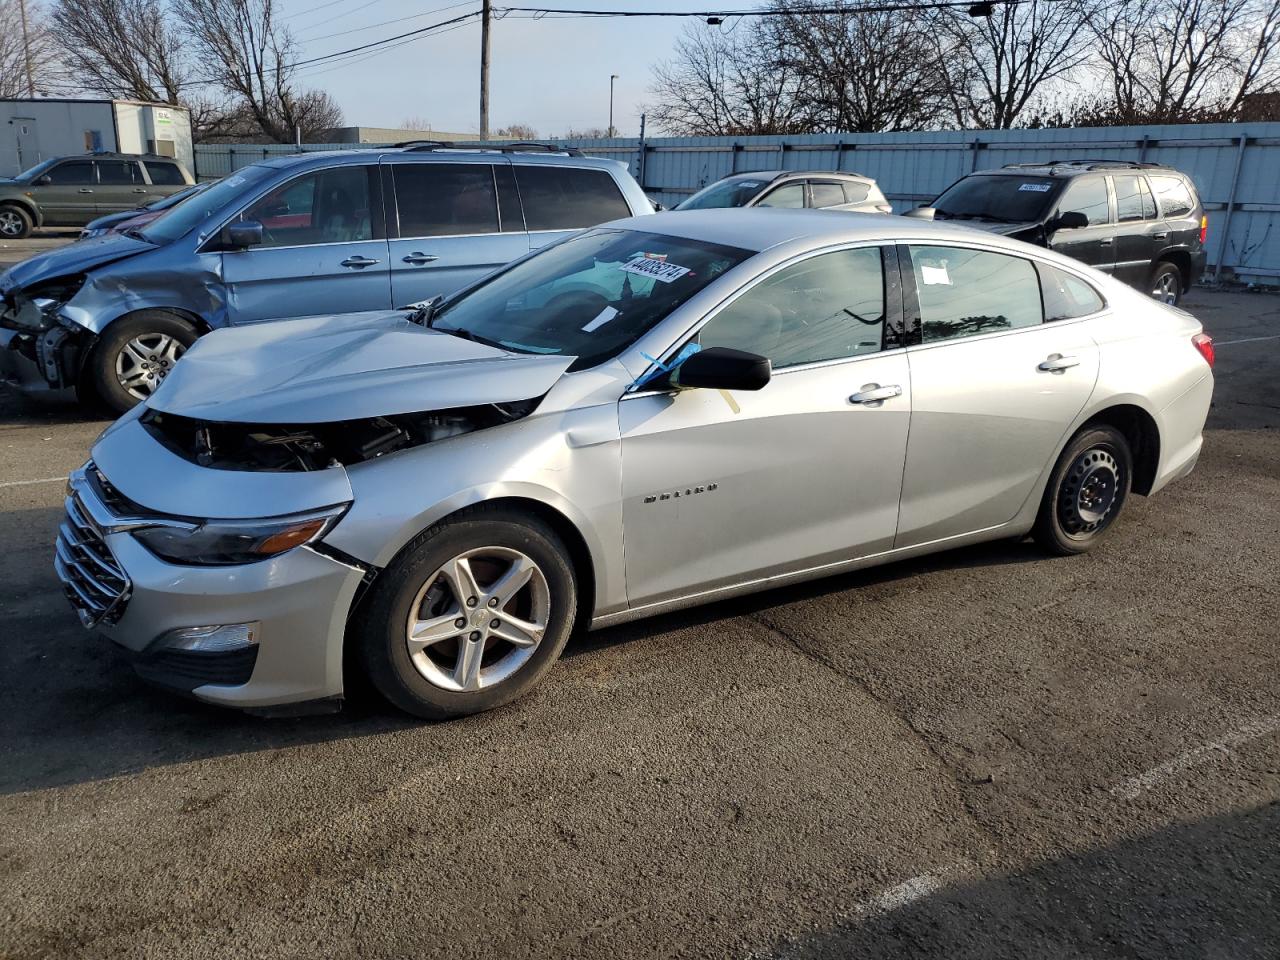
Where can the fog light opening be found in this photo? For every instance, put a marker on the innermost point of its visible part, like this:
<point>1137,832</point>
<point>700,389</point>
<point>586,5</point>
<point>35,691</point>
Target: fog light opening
<point>222,638</point>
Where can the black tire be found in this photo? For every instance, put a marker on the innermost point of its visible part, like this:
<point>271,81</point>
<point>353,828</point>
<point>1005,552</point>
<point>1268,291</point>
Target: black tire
<point>145,325</point>
<point>1166,283</point>
<point>1086,491</point>
<point>382,630</point>
<point>15,222</point>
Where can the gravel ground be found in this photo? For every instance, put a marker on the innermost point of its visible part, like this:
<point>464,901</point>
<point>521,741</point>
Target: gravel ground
<point>986,753</point>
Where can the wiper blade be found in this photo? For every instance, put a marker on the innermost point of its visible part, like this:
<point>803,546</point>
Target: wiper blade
<point>468,335</point>
<point>425,311</point>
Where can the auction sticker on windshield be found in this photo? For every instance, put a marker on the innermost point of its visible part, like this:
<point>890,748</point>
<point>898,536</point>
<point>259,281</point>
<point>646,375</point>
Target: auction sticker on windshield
<point>1036,187</point>
<point>659,270</point>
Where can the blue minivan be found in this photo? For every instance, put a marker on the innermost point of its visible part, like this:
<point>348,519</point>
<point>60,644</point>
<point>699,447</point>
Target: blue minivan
<point>292,236</point>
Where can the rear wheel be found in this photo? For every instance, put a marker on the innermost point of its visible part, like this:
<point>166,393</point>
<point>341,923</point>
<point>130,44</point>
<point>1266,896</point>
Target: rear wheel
<point>15,223</point>
<point>472,615</point>
<point>1166,283</point>
<point>1086,492</point>
<point>136,354</point>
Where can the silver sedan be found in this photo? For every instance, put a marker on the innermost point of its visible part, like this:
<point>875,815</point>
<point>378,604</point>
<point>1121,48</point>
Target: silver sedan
<point>652,414</point>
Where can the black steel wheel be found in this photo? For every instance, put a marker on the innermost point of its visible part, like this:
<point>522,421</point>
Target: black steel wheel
<point>1086,492</point>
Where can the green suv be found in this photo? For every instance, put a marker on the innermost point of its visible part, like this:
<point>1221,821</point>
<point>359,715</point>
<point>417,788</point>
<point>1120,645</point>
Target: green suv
<point>71,191</point>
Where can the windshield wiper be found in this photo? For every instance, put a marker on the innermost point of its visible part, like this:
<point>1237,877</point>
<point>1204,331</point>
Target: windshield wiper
<point>468,335</point>
<point>425,312</point>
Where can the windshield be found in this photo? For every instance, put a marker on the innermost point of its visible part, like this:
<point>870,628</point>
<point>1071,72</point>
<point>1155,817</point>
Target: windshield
<point>35,171</point>
<point>179,220</point>
<point>590,296</point>
<point>165,203</point>
<point>1010,199</point>
<point>733,192</point>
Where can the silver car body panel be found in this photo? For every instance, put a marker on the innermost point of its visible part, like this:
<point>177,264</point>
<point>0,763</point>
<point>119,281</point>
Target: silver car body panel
<point>676,498</point>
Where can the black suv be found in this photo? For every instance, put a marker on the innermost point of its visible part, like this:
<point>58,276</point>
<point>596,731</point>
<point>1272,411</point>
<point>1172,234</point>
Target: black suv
<point>71,191</point>
<point>1141,222</point>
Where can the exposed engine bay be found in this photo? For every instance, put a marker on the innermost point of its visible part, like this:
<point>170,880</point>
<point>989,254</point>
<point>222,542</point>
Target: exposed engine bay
<point>278,447</point>
<point>53,345</point>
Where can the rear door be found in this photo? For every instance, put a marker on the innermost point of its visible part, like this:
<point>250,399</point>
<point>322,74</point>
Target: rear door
<point>451,222</point>
<point>559,199</point>
<point>121,186</point>
<point>324,249</point>
<point>69,198</point>
<point>1136,229</point>
<point>1093,244</point>
<point>994,387</point>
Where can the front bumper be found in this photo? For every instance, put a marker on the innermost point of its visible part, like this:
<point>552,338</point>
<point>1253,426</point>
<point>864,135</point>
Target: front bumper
<point>300,599</point>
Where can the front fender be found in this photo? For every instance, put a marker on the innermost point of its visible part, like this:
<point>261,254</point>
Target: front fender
<point>186,284</point>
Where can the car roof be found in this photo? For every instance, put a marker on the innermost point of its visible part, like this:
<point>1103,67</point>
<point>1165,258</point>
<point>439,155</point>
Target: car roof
<point>1070,168</point>
<point>320,158</point>
<point>759,228</point>
<point>772,175</point>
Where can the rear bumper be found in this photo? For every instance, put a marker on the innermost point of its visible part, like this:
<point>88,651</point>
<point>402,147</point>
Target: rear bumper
<point>1199,259</point>
<point>1181,432</point>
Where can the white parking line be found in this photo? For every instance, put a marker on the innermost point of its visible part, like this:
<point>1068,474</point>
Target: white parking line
<point>1134,786</point>
<point>906,892</point>
<point>24,483</point>
<point>1227,343</point>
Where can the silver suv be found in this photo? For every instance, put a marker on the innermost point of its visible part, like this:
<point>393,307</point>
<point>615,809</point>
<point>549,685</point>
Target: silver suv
<point>793,190</point>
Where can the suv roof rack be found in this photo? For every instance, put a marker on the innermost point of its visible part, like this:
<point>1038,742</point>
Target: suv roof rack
<point>411,146</point>
<point>1087,165</point>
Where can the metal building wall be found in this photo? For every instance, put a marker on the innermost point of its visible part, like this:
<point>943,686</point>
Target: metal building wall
<point>1236,168</point>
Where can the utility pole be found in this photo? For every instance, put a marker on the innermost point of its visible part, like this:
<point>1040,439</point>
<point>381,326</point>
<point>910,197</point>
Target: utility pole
<point>486,14</point>
<point>612,78</point>
<point>26,49</point>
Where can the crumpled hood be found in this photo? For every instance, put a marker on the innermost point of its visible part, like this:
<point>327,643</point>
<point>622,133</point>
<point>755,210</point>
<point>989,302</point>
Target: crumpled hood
<point>72,259</point>
<point>345,367</point>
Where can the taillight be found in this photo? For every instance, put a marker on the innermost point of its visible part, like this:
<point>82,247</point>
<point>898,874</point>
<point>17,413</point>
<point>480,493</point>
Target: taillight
<point>1204,343</point>
<point>1204,228</point>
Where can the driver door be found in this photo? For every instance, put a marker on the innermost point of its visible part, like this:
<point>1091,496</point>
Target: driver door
<point>725,487</point>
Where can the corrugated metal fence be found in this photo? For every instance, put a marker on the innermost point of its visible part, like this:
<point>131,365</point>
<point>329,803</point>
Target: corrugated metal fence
<point>1235,166</point>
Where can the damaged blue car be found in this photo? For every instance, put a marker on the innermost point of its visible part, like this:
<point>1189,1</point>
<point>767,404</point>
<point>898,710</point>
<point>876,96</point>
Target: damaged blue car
<point>292,236</point>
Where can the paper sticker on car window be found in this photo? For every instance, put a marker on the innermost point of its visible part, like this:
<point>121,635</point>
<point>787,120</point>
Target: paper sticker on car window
<point>932,276</point>
<point>1035,187</point>
<point>234,181</point>
<point>600,319</point>
<point>659,270</point>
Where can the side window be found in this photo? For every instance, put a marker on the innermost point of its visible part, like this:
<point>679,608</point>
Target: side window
<point>825,308</point>
<point>1088,195</point>
<point>967,292</point>
<point>855,192</point>
<point>1175,199</point>
<point>445,199</point>
<point>117,172</point>
<point>566,198</point>
<point>1065,296</point>
<point>331,206</point>
<point>790,196</point>
<point>164,174</point>
<point>826,194</point>
<point>1133,200</point>
<point>72,172</point>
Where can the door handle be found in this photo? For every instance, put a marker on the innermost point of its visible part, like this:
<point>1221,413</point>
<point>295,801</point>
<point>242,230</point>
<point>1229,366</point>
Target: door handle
<point>419,259</point>
<point>1057,363</point>
<point>1105,242</point>
<point>359,262</point>
<point>1159,236</point>
<point>872,394</point>
<point>85,190</point>
<point>139,190</point>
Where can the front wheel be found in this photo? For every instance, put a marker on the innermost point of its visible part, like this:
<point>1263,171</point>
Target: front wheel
<point>135,355</point>
<point>472,615</point>
<point>1086,491</point>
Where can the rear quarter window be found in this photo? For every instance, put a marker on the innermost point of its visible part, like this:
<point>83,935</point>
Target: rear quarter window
<point>1173,194</point>
<point>1065,296</point>
<point>164,174</point>
<point>568,198</point>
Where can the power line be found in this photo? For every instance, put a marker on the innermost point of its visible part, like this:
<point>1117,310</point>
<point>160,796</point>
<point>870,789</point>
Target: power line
<point>387,23</point>
<point>750,12</point>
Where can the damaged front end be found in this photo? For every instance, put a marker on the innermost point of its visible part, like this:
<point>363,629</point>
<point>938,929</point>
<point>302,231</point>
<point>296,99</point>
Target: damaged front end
<point>278,447</point>
<point>39,349</point>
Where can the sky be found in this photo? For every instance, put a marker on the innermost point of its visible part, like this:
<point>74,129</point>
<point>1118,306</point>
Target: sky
<point>550,73</point>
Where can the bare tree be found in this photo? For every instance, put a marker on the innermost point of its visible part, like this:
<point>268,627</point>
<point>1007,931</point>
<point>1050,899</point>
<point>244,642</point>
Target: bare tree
<point>15,50</point>
<point>859,71</point>
<point>726,84</point>
<point>517,131</point>
<point>122,48</point>
<point>994,67</point>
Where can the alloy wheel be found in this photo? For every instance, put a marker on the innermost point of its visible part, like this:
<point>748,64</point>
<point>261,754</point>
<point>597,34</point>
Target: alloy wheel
<point>1089,493</point>
<point>144,362</point>
<point>1166,289</point>
<point>478,619</point>
<point>10,223</point>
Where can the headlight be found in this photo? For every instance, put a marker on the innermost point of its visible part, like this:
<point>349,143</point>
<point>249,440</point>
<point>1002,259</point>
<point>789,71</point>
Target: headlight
<point>218,542</point>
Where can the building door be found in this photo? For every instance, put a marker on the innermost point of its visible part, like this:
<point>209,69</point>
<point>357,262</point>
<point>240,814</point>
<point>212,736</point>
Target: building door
<point>28,143</point>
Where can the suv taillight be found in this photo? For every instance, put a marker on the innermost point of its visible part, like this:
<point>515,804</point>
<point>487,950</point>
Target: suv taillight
<point>1204,343</point>
<point>1204,228</point>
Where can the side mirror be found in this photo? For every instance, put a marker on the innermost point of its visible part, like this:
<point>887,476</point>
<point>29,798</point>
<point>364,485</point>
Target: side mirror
<point>921,213</point>
<point>242,234</point>
<point>43,181</point>
<point>722,368</point>
<point>1071,220</point>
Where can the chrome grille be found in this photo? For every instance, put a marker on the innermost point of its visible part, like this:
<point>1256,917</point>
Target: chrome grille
<point>94,581</point>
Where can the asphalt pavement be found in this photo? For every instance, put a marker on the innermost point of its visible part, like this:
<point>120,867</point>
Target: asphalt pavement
<point>987,753</point>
